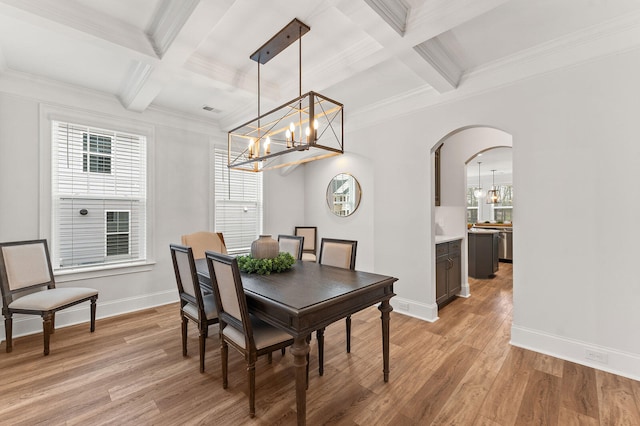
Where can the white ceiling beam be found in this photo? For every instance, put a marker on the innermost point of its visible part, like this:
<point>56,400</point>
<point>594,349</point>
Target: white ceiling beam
<point>69,18</point>
<point>394,12</point>
<point>425,20</point>
<point>428,19</point>
<point>177,31</point>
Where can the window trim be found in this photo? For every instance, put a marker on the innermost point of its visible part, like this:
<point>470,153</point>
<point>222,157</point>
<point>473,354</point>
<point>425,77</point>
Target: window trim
<point>49,113</point>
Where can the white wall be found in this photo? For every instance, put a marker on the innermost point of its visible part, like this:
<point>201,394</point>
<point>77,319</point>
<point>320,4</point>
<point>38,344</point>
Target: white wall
<point>180,188</point>
<point>359,225</point>
<point>575,281</point>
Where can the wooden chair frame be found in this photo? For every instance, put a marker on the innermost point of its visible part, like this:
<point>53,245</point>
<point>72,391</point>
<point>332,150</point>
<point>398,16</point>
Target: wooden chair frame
<point>69,296</point>
<point>300,239</point>
<point>320,333</point>
<point>201,319</point>
<point>243,325</point>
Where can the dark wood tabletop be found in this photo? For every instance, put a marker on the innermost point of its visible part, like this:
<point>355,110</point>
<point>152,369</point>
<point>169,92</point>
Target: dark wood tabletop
<point>309,297</point>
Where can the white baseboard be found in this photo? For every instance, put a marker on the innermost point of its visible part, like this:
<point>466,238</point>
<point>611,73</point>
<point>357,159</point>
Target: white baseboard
<point>598,357</point>
<point>30,324</point>
<point>415,309</point>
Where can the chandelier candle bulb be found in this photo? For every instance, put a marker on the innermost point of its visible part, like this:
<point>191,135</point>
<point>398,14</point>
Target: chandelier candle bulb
<point>267,146</point>
<point>250,148</point>
<point>308,133</point>
<point>315,130</point>
<point>292,129</point>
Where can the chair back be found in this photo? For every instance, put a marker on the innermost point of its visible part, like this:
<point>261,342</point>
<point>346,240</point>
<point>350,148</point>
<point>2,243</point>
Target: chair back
<point>291,244</point>
<point>230,298</point>
<point>310,237</point>
<point>339,253</point>
<point>184,266</point>
<point>24,265</point>
<point>203,240</point>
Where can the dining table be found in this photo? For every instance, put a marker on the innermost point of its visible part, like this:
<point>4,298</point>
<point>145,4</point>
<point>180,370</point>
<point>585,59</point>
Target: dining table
<point>309,297</point>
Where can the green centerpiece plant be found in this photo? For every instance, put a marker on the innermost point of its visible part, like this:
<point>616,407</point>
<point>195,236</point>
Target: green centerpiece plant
<point>282,262</point>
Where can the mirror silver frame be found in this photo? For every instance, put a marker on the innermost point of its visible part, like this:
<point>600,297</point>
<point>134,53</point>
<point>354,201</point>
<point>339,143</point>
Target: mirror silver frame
<point>342,203</point>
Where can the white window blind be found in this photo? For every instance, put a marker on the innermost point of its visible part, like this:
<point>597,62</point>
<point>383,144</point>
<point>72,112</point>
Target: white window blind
<point>238,204</point>
<point>99,190</point>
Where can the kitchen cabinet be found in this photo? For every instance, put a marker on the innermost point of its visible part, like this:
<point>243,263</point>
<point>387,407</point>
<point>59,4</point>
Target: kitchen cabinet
<point>483,253</point>
<point>448,271</point>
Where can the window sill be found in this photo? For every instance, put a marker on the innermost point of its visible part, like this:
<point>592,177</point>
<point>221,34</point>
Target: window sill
<point>69,275</point>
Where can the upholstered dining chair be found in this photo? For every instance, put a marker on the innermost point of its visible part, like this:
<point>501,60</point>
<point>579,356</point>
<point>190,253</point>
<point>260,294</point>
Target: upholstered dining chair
<point>246,333</point>
<point>291,244</point>
<point>28,287</point>
<point>194,305</point>
<point>203,240</point>
<point>342,254</point>
<point>310,234</point>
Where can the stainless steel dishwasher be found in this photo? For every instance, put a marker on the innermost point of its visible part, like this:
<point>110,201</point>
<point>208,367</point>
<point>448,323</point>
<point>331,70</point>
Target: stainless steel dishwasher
<point>505,245</point>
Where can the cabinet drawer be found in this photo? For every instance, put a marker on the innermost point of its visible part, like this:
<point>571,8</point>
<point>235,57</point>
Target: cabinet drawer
<point>442,249</point>
<point>454,247</point>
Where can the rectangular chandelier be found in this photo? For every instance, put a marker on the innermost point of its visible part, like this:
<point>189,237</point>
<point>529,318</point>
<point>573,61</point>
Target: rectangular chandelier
<point>307,128</point>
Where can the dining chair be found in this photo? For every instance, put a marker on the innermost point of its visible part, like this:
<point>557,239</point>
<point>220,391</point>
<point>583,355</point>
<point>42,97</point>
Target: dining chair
<point>194,305</point>
<point>342,254</point>
<point>28,287</point>
<point>244,332</point>
<point>204,240</point>
<point>291,244</point>
<point>310,234</point>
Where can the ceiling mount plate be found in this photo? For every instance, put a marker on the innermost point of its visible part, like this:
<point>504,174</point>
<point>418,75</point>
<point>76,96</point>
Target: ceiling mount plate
<point>286,36</point>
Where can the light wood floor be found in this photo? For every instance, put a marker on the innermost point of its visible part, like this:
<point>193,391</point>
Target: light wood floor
<point>459,370</point>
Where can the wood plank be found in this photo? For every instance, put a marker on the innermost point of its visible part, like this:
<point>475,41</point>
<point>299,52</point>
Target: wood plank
<point>540,402</point>
<point>459,370</point>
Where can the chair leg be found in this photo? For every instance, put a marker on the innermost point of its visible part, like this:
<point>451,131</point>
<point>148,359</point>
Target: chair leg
<point>93,314</point>
<point>53,323</point>
<point>203,339</point>
<point>270,357</point>
<point>251,372</point>
<point>184,334</point>
<point>224,356</point>
<point>283,351</point>
<point>320,337</point>
<point>349,334</point>
<point>46,331</point>
<point>8,328</point>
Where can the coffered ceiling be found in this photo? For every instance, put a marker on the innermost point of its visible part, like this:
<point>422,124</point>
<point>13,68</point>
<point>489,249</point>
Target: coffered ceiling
<point>183,55</point>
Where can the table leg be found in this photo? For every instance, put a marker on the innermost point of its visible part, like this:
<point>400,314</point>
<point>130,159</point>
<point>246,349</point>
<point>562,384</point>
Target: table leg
<point>385,307</point>
<point>299,350</point>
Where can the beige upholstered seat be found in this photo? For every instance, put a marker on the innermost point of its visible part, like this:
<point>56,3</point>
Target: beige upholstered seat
<point>341,254</point>
<point>25,268</point>
<point>249,335</point>
<point>203,240</point>
<point>310,234</point>
<point>194,305</point>
<point>291,244</point>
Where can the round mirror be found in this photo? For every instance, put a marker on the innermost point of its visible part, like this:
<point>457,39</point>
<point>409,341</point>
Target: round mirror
<point>343,194</point>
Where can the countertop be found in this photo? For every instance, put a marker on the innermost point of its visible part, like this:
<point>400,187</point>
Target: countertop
<point>483,231</point>
<point>447,238</point>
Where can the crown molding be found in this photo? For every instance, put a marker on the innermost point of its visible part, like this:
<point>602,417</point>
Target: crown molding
<point>136,80</point>
<point>168,22</point>
<point>394,13</point>
<point>435,54</point>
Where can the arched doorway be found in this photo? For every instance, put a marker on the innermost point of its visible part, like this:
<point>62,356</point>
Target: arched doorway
<point>456,150</point>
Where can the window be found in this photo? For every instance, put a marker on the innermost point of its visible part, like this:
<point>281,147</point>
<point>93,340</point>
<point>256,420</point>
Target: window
<point>472,205</point>
<point>117,233</point>
<point>99,196</point>
<point>96,153</point>
<point>238,204</point>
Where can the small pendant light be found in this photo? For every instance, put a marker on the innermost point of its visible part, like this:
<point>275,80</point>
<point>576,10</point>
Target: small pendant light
<point>492,194</point>
<point>478,191</point>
